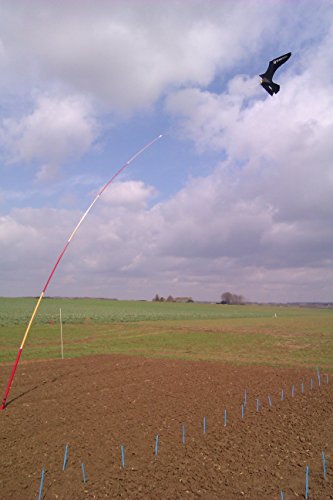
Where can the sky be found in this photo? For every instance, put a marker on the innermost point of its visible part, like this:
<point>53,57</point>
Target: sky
<point>236,196</point>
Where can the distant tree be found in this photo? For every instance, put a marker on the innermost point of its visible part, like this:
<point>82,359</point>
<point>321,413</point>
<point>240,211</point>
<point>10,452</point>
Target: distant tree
<point>231,298</point>
<point>226,298</point>
<point>184,300</point>
<point>170,299</point>
<point>240,300</point>
<point>156,298</point>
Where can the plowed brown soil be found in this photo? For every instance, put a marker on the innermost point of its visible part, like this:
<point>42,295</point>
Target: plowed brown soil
<point>97,404</point>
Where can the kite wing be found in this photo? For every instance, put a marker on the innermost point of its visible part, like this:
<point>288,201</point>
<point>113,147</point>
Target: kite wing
<point>274,65</point>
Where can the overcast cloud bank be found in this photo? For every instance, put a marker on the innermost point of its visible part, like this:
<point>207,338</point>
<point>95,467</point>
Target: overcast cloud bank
<point>257,222</point>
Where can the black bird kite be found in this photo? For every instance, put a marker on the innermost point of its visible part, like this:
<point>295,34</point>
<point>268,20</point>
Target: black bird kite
<point>266,78</point>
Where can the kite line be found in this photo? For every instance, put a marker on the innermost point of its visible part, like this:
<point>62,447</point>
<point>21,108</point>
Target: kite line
<point>138,153</point>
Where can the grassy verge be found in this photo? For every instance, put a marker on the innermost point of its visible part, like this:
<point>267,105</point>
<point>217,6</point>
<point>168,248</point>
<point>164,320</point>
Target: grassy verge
<point>239,335</point>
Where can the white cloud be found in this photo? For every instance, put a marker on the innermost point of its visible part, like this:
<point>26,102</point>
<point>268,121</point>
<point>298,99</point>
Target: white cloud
<point>134,194</point>
<point>203,241</point>
<point>127,54</point>
<point>56,131</point>
<point>278,149</point>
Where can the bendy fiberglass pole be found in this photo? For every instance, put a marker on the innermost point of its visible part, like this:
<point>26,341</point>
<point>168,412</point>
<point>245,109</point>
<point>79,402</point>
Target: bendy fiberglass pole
<point>138,153</point>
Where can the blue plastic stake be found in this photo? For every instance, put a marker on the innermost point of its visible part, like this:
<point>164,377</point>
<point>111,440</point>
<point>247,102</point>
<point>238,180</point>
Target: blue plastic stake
<point>293,391</point>
<point>258,404</point>
<point>156,445</point>
<point>282,495</point>
<point>225,418</point>
<point>123,456</point>
<point>282,395</point>
<point>302,387</point>
<point>65,458</point>
<point>242,411</point>
<point>311,383</point>
<point>183,434</point>
<point>318,376</point>
<point>245,398</point>
<point>307,482</point>
<point>41,486</point>
<point>83,473</point>
<point>270,401</point>
<point>204,425</point>
<point>324,464</point>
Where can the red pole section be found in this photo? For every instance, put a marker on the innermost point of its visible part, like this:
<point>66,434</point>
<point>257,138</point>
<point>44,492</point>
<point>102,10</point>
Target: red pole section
<point>11,378</point>
<point>138,153</point>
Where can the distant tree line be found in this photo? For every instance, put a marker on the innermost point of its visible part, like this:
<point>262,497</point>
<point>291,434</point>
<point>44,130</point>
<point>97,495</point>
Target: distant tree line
<point>232,299</point>
<point>157,298</point>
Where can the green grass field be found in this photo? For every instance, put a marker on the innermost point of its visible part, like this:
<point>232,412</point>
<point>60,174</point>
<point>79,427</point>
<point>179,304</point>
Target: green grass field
<point>236,334</point>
